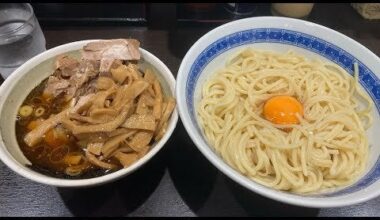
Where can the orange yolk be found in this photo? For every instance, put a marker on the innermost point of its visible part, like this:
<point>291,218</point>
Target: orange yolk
<point>282,110</point>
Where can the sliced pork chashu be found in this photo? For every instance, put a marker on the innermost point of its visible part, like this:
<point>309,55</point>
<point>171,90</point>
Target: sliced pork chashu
<point>107,51</point>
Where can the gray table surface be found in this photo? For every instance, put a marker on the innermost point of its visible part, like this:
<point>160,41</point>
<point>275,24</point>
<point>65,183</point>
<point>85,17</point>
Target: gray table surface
<point>178,181</point>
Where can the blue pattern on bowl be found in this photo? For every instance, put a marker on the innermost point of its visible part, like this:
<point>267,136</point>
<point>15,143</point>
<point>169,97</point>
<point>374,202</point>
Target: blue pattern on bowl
<point>274,35</point>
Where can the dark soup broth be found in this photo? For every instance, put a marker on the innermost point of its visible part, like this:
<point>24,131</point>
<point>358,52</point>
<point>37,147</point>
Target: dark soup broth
<point>50,157</point>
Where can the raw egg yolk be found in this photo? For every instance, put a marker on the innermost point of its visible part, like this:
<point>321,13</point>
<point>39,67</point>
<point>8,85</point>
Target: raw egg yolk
<point>282,110</point>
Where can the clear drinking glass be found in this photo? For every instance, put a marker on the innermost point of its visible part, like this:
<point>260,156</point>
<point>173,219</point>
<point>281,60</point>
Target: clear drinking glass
<point>21,37</point>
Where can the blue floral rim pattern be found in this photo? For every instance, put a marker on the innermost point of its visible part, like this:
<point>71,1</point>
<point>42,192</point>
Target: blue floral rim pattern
<point>274,35</point>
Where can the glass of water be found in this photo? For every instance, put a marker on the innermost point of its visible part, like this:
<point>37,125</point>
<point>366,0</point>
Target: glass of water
<point>21,37</point>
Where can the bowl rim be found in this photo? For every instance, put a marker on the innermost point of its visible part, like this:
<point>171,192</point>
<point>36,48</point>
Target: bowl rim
<point>220,164</point>
<point>24,69</point>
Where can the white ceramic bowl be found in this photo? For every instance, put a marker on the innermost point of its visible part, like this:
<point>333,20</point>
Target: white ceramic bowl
<point>209,53</point>
<point>15,89</point>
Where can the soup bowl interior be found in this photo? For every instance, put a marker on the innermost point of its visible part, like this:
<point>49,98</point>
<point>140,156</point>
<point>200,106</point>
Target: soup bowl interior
<point>16,88</point>
<point>278,34</point>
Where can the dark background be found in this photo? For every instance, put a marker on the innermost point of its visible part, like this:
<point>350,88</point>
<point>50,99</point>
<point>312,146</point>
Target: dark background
<point>178,181</point>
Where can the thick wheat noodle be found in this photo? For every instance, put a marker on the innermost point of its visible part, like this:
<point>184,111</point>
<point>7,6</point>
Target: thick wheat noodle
<point>328,148</point>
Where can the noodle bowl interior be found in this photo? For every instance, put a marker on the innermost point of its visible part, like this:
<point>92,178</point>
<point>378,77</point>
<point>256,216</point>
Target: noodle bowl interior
<point>95,114</point>
<point>287,122</point>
